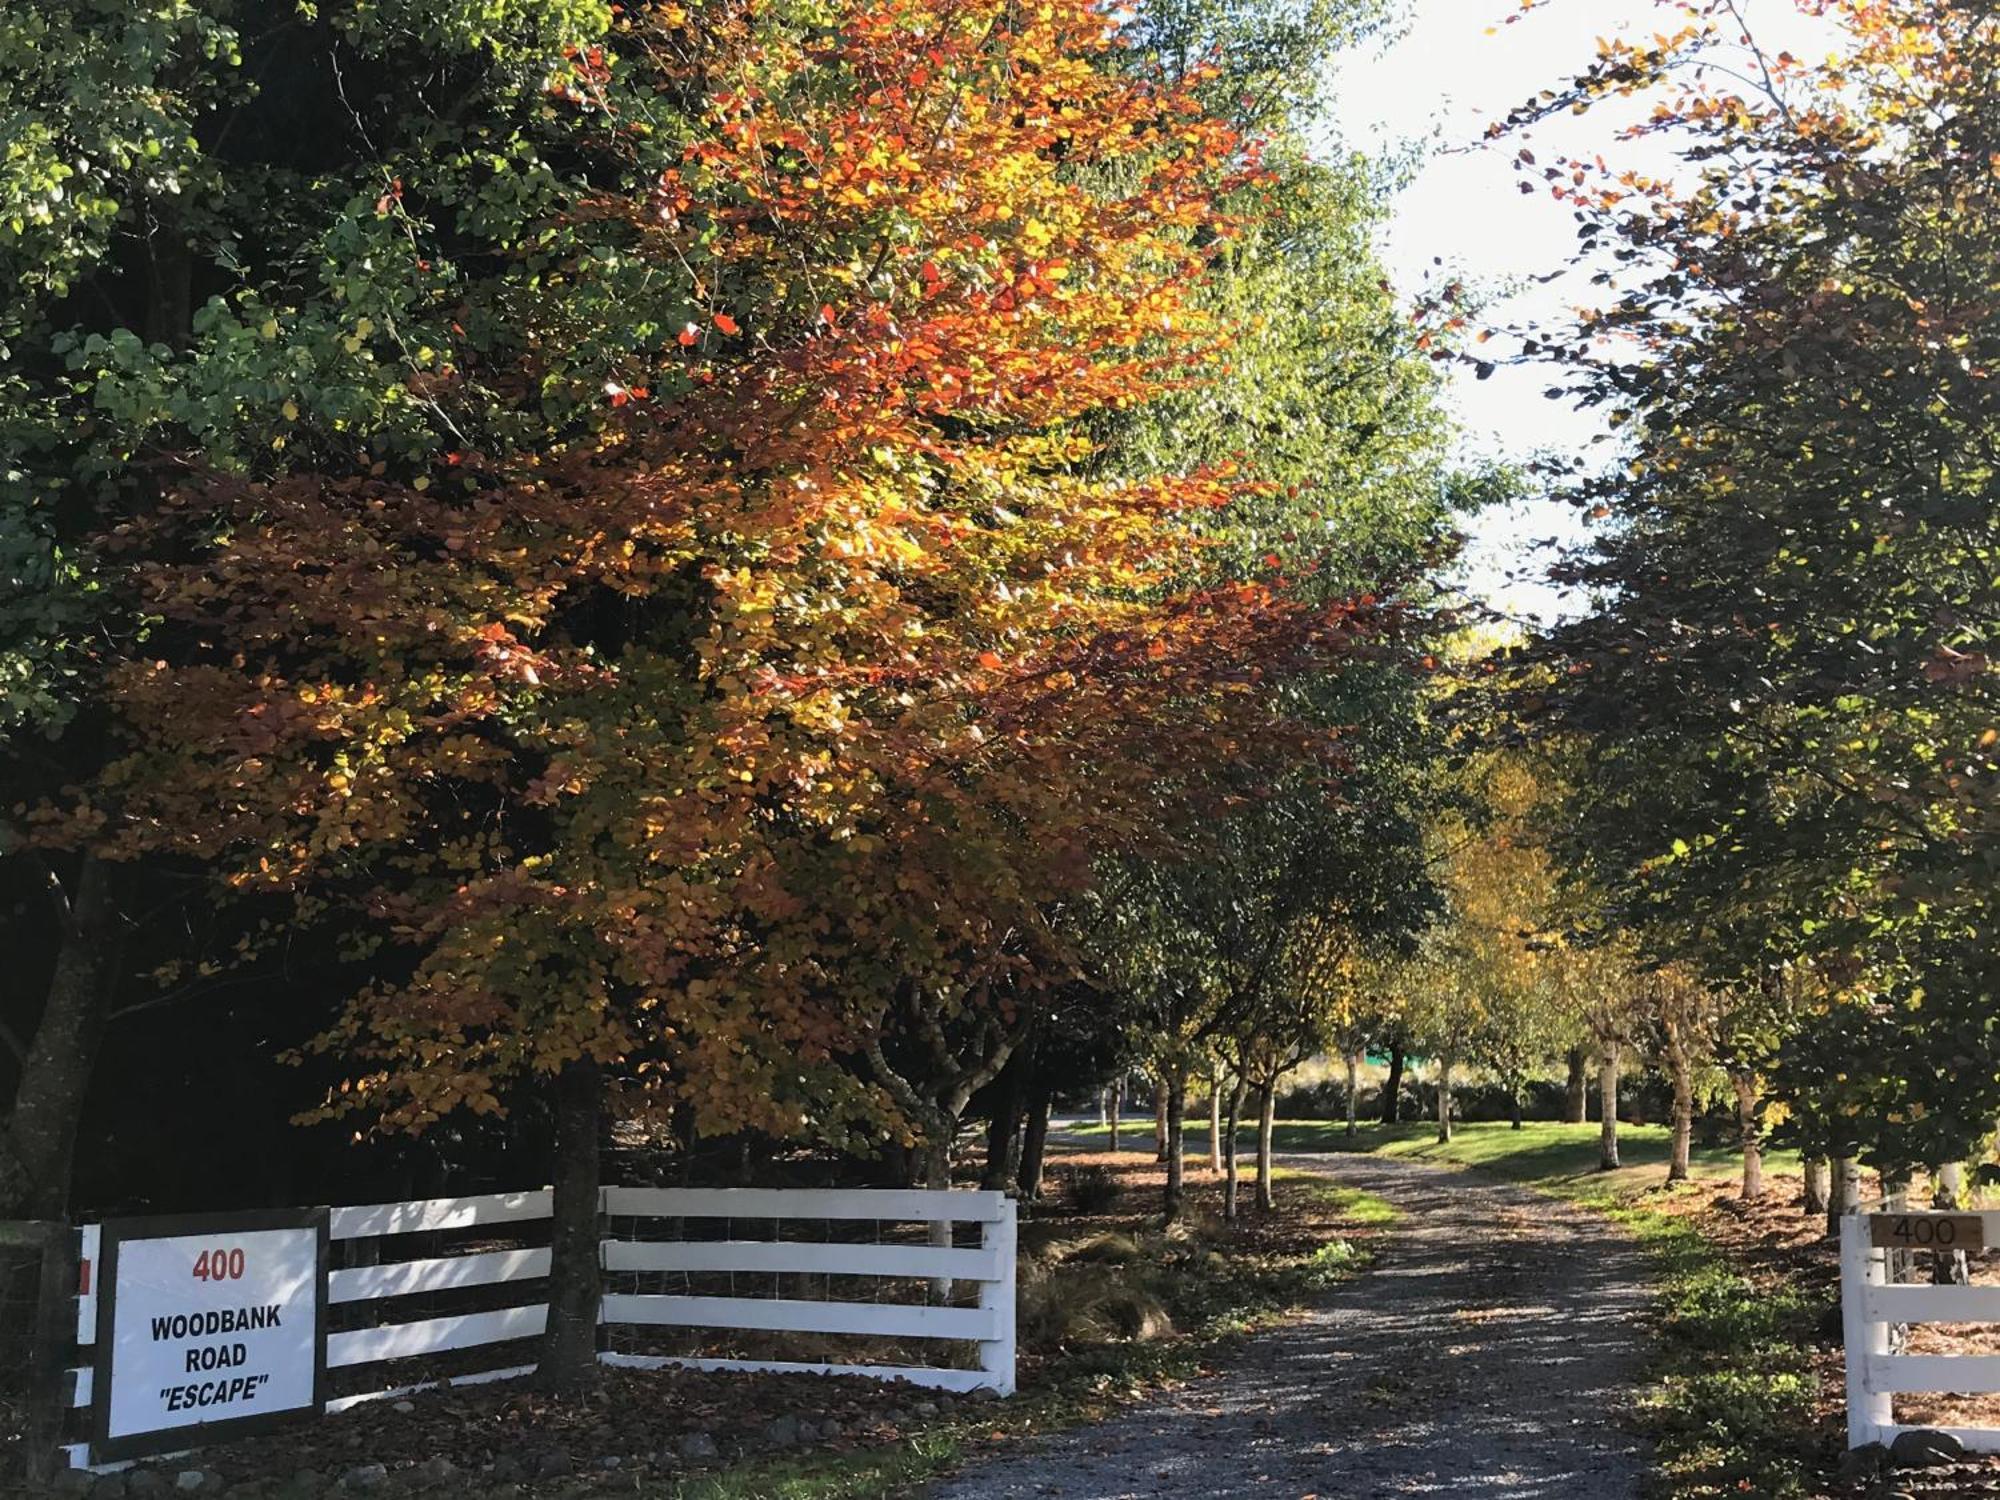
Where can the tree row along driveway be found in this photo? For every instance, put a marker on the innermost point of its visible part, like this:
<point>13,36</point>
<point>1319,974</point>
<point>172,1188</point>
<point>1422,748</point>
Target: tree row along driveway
<point>1491,1352</point>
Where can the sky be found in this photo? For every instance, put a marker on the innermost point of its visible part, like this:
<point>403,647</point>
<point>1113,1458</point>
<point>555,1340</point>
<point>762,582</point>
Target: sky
<point>1440,82</point>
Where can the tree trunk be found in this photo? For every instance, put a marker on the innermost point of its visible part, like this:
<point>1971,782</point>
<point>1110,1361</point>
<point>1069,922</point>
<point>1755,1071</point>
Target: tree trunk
<point>1229,1172</point>
<point>1117,1105</point>
<point>1750,1125</point>
<point>1353,1104</point>
<point>1948,1267</point>
<point>1576,1096</point>
<point>1214,1123</point>
<point>1607,1100</point>
<point>1846,1195</point>
<point>1173,1099</point>
<point>170,299</point>
<point>1267,1109</point>
<point>1392,1089</point>
<point>935,1156</point>
<point>1683,1123</point>
<point>569,1344</point>
<point>1818,1188</point>
<point>40,1139</point>
<point>1003,1133</point>
<point>1444,1100</point>
<point>1035,1145</point>
<point>1103,1107</point>
<point>1161,1105</point>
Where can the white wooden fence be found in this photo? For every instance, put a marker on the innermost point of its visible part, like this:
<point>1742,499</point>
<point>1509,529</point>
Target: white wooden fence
<point>1871,1304</point>
<point>652,1214</point>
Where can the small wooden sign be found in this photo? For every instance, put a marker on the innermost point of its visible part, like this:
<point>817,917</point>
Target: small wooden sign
<point>1927,1231</point>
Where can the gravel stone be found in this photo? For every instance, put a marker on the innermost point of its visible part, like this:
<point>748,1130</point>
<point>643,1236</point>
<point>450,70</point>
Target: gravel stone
<point>507,1469</point>
<point>1387,1387</point>
<point>365,1477</point>
<point>1862,1464</point>
<point>435,1471</point>
<point>1923,1447</point>
<point>554,1464</point>
<point>699,1445</point>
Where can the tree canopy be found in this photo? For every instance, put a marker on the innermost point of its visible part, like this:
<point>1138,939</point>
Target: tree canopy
<point>1784,680</point>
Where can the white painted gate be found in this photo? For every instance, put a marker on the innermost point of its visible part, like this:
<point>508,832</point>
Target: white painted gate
<point>1870,1305</point>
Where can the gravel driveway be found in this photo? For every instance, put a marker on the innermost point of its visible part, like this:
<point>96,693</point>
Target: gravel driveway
<point>1488,1353</point>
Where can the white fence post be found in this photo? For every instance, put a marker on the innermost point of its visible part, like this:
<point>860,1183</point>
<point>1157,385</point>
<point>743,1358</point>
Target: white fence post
<point>996,1356</point>
<point>1870,1416</point>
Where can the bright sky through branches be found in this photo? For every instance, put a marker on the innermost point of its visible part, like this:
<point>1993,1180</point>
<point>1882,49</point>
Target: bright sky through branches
<point>1439,84</point>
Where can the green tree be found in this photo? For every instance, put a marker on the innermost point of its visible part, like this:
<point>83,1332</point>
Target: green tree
<point>1785,686</point>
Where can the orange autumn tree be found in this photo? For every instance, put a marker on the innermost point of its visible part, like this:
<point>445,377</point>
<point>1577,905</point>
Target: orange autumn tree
<point>799,680</point>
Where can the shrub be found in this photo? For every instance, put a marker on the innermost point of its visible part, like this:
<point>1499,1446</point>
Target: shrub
<point>1479,1101</point>
<point>1544,1099</point>
<point>1541,1099</point>
<point>1109,1248</point>
<point>1089,1305</point>
<point>1325,1100</point>
<point>1093,1189</point>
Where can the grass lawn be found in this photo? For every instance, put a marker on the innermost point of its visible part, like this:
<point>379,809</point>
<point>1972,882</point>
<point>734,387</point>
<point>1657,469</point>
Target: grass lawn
<point>875,1472</point>
<point>1540,1152</point>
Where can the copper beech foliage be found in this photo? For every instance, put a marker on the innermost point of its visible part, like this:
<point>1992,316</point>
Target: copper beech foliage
<point>826,660</point>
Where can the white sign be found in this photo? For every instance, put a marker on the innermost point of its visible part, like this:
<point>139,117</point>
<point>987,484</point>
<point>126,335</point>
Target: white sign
<point>205,1322</point>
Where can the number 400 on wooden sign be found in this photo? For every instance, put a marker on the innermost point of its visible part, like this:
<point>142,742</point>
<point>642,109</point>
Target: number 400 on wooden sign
<point>1927,1231</point>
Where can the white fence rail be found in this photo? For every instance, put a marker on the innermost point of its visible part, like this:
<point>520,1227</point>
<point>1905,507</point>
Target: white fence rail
<point>1871,1305</point>
<point>428,1271</point>
<point>989,1266</point>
